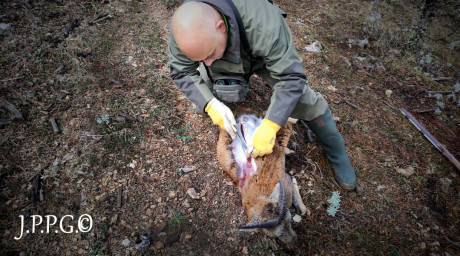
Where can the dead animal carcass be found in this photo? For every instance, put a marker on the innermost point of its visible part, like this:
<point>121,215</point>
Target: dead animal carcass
<point>267,190</point>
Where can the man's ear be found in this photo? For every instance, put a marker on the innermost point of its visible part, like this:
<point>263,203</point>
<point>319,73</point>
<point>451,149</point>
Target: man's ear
<point>220,26</point>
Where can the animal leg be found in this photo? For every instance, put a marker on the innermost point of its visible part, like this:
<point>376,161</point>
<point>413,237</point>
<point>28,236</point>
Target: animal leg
<point>276,193</point>
<point>296,199</point>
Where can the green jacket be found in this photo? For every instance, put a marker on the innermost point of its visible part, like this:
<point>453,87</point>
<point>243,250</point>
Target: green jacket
<point>271,42</point>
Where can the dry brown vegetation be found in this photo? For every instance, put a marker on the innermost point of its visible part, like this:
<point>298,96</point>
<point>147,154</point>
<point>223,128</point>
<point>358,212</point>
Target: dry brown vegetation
<point>125,127</point>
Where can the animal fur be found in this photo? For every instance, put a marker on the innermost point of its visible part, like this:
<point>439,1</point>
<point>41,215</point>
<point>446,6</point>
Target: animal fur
<point>260,191</point>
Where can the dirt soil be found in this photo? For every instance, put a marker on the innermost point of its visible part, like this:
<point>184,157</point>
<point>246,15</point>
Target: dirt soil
<point>99,69</point>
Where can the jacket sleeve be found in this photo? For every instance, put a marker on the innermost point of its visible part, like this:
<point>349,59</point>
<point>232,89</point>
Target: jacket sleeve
<point>186,76</point>
<point>271,39</point>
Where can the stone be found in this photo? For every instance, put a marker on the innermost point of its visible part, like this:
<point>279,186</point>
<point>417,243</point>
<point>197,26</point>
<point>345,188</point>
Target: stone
<point>406,172</point>
<point>192,193</point>
<point>423,245</point>
<point>388,93</point>
<point>357,42</point>
<point>172,194</point>
<point>316,46</point>
<point>126,242</point>
<point>4,26</point>
<point>114,219</point>
<point>445,182</point>
<point>159,245</point>
<point>296,218</point>
<point>186,204</point>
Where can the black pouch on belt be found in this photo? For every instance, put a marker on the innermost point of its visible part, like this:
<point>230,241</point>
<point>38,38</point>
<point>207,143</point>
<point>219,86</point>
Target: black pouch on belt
<point>230,88</point>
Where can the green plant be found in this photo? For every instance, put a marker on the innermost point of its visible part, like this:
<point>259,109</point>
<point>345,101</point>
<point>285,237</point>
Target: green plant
<point>182,133</point>
<point>177,220</point>
<point>96,252</point>
<point>334,202</point>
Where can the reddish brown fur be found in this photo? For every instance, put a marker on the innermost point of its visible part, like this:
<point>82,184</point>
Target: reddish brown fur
<point>257,189</point>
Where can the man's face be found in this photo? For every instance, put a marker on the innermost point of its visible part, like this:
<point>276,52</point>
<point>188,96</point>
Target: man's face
<point>217,51</point>
<point>210,47</point>
<point>200,32</point>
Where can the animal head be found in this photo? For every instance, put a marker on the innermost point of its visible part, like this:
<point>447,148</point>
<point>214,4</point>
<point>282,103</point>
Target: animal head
<point>272,217</point>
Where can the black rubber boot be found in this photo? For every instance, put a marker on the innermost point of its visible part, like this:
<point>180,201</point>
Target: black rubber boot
<point>329,137</point>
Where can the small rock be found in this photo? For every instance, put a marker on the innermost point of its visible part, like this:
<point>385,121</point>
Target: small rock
<point>186,204</point>
<point>406,172</point>
<point>316,46</point>
<point>332,88</point>
<point>120,119</point>
<point>149,212</point>
<point>380,187</point>
<point>186,169</point>
<point>144,244</point>
<point>126,242</point>
<point>67,157</point>
<point>423,245</point>
<point>56,161</point>
<point>172,194</point>
<point>159,245</point>
<point>346,60</point>
<point>30,94</point>
<point>388,93</point>
<point>445,184</point>
<point>192,193</point>
<point>435,243</point>
<point>132,165</point>
<point>114,219</point>
<point>360,43</point>
<point>4,26</point>
<point>187,237</point>
<point>296,218</point>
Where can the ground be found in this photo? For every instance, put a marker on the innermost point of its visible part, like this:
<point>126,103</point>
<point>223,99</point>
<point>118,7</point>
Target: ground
<point>126,132</point>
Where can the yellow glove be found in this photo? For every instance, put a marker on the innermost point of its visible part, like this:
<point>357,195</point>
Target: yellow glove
<point>264,138</point>
<point>222,116</point>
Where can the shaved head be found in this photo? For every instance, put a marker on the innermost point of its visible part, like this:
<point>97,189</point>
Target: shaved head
<point>200,31</point>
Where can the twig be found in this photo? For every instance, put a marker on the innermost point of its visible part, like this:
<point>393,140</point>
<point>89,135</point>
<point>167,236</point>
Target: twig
<point>452,242</point>
<point>442,78</point>
<point>120,196</point>
<point>426,110</point>
<point>54,124</point>
<point>431,139</point>
<point>72,24</point>
<point>351,104</point>
<point>35,175</point>
<point>443,38</point>
<point>16,114</point>
<point>308,131</point>
<point>389,105</point>
<point>11,79</point>
<point>441,92</point>
<point>365,72</point>
<point>100,18</point>
<point>5,121</point>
